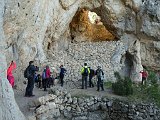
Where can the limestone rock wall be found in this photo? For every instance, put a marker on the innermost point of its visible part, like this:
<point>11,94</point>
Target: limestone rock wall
<point>39,30</point>
<point>9,109</point>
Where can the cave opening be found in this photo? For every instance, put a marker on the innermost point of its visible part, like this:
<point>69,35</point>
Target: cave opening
<point>92,25</point>
<point>49,46</point>
<point>127,60</point>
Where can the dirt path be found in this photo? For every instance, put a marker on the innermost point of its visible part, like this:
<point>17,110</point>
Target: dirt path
<point>23,102</point>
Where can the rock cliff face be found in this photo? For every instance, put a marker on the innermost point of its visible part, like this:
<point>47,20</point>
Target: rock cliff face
<point>41,30</point>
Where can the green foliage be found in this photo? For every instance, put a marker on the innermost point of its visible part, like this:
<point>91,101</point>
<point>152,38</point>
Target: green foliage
<point>123,86</point>
<point>108,84</point>
<point>149,92</point>
<point>152,79</point>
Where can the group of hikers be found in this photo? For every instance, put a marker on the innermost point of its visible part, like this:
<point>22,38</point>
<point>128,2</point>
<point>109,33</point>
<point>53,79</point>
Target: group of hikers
<point>88,72</point>
<point>45,80</point>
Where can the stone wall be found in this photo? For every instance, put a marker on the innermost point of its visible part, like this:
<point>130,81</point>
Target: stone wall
<point>60,105</point>
<point>110,55</point>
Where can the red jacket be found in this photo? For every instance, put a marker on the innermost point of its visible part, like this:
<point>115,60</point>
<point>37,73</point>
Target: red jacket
<point>144,74</point>
<point>11,68</point>
<point>48,73</point>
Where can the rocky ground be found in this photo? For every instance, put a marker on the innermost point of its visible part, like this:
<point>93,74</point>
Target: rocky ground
<point>23,102</point>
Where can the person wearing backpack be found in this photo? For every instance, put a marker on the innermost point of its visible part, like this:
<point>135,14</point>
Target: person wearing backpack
<point>31,69</point>
<point>85,72</point>
<point>61,74</point>
<point>91,75</point>
<point>100,76</point>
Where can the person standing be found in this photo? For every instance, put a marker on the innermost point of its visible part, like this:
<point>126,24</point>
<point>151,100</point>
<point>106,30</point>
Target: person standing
<point>144,76</point>
<point>85,72</point>
<point>10,76</point>
<point>31,69</point>
<point>91,75</point>
<point>48,75</point>
<point>44,81</point>
<point>61,74</point>
<point>100,76</point>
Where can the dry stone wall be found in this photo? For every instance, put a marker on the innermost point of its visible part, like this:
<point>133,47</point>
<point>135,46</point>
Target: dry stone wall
<point>60,105</point>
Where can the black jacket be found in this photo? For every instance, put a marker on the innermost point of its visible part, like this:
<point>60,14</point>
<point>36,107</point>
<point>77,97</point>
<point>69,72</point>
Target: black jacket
<point>33,69</point>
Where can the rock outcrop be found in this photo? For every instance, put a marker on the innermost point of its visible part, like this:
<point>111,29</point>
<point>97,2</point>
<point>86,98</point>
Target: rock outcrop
<point>47,32</point>
<point>9,109</point>
<point>41,30</point>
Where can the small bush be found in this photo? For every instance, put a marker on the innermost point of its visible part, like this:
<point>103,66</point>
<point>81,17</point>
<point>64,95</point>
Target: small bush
<point>149,92</point>
<point>108,84</point>
<point>123,86</point>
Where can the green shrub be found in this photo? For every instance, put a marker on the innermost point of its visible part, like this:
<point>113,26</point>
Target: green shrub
<point>152,79</point>
<point>149,92</point>
<point>108,84</point>
<point>123,86</point>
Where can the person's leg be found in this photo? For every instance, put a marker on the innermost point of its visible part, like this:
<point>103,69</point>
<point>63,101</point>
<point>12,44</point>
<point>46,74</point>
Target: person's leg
<point>82,82</point>
<point>92,85</point>
<point>98,84</point>
<point>142,80</point>
<point>45,84</point>
<point>86,82</point>
<point>42,83</point>
<point>31,88</point>
<point>145,80</point>
<point>49,82</point>
<point>27,89</point>
<point>62,81</point>
<point>102,88</point>
<point>90,77</point>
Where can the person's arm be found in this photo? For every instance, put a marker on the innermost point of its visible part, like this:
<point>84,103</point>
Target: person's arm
<point>102,73</point>
<point>96,72</point>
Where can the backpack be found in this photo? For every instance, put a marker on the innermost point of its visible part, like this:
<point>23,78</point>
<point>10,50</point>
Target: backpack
<point>44,75</point>
<point>99,73</point>
<point>27,72</point>
<point>85,73</point>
